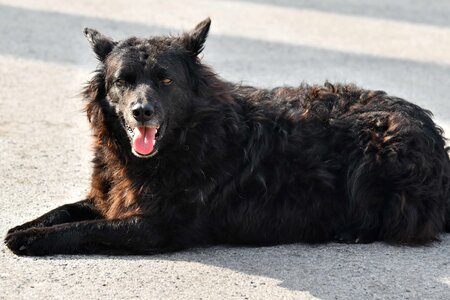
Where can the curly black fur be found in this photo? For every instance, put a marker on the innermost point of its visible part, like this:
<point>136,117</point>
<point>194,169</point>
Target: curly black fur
<point>241,165</point>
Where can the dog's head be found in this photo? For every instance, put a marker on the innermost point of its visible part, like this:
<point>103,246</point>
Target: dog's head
<point>149,83</point>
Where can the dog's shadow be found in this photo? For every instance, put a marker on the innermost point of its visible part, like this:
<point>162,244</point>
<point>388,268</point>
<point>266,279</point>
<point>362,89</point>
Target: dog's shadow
<point>326,271</point>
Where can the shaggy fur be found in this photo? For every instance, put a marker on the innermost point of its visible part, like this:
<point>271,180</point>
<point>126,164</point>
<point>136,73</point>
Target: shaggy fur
<point>241,165</point>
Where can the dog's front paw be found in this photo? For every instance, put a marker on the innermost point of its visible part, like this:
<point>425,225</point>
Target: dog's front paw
<point>26,242</point>
<point>16,229</point>
<point>38,223</point>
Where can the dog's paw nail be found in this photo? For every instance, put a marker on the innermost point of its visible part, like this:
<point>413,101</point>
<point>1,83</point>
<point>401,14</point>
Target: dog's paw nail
<point>22,248</point>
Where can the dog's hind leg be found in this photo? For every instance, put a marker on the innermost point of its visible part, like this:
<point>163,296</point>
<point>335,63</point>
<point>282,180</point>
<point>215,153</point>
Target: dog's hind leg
<point>416,206</point>
<point>78,211</point>
<point>399,177</point>
<point>401,201</point>
<point>134,235</point>
<point>402,204</point>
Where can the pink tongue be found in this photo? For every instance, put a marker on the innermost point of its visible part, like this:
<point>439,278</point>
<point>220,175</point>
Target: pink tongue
<point>144,140</point>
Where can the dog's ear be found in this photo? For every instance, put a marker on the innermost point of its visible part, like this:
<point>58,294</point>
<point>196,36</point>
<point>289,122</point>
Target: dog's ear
<point>102,45</point>
<point>194,40</point>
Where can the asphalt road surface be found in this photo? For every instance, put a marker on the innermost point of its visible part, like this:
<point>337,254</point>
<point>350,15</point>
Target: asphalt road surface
<point>401,46</point>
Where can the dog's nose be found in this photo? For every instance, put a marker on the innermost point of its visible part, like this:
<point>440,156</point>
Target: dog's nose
<point>142,112</point>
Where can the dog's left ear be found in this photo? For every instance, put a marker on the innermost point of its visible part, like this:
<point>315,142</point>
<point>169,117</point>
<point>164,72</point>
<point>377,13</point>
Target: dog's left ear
<point>194,40</point>
<point>102,45</point>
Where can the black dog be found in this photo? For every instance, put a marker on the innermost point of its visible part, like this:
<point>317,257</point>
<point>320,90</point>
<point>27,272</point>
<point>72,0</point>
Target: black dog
<point>184,158</point>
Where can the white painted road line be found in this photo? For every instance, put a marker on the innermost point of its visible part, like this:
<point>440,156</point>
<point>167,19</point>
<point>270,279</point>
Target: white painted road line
<point>352,34</point>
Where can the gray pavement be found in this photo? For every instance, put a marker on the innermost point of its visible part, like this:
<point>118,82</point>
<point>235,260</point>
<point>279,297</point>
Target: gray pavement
<point>45,154</point>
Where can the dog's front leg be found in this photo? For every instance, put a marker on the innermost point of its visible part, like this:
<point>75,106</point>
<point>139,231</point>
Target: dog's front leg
<point>74,212</point>
<point>126,236</point>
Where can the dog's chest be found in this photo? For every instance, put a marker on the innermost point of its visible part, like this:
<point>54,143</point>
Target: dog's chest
<point>123,199</point>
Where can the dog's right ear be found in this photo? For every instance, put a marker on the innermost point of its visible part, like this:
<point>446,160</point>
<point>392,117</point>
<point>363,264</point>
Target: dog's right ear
<point>102,45</point>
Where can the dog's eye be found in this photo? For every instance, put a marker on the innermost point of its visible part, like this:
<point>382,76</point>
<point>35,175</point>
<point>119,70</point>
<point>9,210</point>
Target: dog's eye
<point>166,81</point>
<point>121,83</point>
